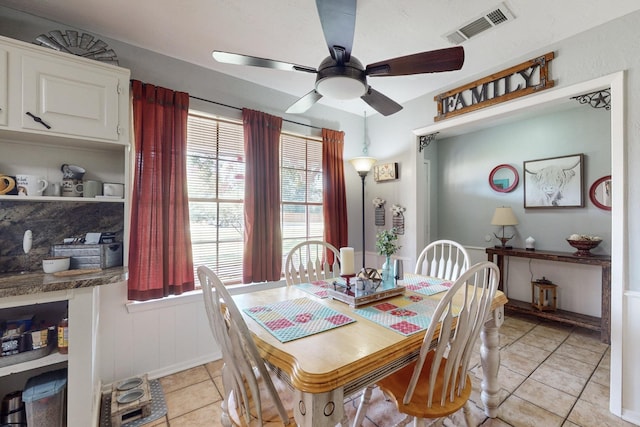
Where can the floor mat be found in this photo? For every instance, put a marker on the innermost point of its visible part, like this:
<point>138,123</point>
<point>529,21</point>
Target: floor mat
<point>158,407</point>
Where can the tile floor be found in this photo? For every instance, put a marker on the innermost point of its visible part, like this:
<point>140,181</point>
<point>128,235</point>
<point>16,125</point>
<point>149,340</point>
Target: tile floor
<point>550,375</point>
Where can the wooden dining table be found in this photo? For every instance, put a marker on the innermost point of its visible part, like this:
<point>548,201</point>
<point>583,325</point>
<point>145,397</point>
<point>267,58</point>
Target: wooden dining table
<point>326,367</point>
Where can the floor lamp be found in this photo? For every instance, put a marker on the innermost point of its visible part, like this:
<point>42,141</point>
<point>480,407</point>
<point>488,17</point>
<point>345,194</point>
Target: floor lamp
<point>362,165</point>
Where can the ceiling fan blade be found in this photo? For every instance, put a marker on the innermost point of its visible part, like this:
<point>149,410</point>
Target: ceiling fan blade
<point>381,103</point>
<point>238,59</point>
<point>304,103</point>
<point>433,61</point>
<point>338,19</point>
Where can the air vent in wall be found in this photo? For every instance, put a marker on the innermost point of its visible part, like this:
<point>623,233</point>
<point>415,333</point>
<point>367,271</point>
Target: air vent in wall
<point>488,20</point>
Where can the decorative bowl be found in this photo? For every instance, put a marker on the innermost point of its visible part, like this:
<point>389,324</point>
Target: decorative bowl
<point>583,246</point>
<point>55,264</point>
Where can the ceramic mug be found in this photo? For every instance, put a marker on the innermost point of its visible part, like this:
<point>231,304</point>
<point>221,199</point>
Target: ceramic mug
<point>53,189</point>
<point>72,188</point>
<point>91,188</point>
<point>31,185</point>
<point>6,184</point>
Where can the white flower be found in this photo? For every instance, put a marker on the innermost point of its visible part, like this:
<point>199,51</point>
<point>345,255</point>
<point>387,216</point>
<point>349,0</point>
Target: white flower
<point>397,210</point>
<point>377,202</point>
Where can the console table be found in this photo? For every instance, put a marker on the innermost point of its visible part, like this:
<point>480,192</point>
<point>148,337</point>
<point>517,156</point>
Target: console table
<point>602,324</point>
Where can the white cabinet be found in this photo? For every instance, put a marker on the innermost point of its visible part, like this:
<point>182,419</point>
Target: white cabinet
<point>4,86</point>
<point>69,99</point>
<point>58,108</point>
<point>52,95</point>
<point>85,105</point>
<point>83,384</point>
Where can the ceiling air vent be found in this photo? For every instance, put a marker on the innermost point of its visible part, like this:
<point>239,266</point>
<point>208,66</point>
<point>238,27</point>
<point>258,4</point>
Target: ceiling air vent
<point>488,20</point>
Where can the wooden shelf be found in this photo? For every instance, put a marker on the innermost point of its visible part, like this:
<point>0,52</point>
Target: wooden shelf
<point>61,199</point>
<point>602,324</point>
<point>51,359</point>
<point>562,316</point>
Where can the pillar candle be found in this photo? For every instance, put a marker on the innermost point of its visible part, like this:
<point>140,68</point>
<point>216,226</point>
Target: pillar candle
<point>347,262</point>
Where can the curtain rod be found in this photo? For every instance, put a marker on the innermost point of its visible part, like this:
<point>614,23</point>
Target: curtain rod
<point>238,108</point>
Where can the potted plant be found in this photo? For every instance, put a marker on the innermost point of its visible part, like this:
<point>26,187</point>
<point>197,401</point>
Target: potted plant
<point>387,245</point>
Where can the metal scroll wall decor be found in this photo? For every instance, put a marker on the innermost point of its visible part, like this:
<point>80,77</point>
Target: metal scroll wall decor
<point>597,99</point>
<point>425,140</point>
<point>378,206</point>
<point>84,45</point>
<point>398,218</point>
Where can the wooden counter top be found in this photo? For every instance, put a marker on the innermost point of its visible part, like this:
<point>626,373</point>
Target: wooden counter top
<point>13,284</point>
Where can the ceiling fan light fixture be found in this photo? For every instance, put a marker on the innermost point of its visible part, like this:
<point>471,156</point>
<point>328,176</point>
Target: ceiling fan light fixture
<point>339,87</point>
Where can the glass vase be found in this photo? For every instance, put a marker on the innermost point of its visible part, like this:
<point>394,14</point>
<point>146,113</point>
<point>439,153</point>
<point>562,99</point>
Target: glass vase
<point>387,272</point>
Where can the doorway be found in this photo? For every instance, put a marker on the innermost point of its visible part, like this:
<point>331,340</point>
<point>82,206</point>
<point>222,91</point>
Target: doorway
<point>545,101</point>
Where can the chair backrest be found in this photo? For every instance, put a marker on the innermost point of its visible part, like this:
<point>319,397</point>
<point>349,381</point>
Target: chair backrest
<point>468,301</point>
<point>445,259</point>
<point>308,262</point>
<point>239,351</point>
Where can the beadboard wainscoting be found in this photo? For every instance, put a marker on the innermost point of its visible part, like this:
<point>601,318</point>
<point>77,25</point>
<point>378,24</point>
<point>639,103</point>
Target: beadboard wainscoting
<point>158,337</point>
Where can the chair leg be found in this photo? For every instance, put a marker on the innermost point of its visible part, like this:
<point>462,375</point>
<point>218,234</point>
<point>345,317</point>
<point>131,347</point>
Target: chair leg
<point>406,421</point>
<point>225,420</point>
<point>362,407</point>
<point>468,417</point>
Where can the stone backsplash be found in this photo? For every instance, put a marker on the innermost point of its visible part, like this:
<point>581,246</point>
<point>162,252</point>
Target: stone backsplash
<point>51,222</point>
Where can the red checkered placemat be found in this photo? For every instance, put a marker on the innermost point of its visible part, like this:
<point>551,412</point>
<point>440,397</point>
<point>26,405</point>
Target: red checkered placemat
<point>405,314</point>
<point>301,317</point>
<point>426,285</point>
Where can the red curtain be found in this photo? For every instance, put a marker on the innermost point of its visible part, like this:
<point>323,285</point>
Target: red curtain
<point>160,258</point>
<point>334,195</point>
<point>262,259</point>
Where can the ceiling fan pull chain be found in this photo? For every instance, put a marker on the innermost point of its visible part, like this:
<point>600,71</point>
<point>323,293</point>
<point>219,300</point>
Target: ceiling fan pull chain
<point>38,120</point>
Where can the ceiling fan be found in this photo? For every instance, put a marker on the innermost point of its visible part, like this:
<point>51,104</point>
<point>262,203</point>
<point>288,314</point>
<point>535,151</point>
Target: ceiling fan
<point>341,75</point>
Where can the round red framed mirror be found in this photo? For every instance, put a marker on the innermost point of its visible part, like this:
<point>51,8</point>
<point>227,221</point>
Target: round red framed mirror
<point>504,178</point>
<point>600,193</point>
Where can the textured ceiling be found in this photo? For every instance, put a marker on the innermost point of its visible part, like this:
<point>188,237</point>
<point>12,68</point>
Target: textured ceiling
<point>290,31</point>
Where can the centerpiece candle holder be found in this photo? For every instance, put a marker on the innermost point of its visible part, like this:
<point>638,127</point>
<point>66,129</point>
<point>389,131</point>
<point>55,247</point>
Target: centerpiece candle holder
<point>347,280</point>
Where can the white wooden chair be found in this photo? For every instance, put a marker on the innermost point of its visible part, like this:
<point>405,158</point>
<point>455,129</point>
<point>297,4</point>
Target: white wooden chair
<point>438,384</point>
<point>445,259</point>
<point>307,262</point>
<point>252,397</point>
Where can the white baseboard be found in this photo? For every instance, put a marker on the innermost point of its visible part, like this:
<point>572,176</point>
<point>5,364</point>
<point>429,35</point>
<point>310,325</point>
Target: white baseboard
<point>631,416</point>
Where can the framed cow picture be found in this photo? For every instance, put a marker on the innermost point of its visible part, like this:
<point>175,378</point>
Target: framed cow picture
<point>555,182</point>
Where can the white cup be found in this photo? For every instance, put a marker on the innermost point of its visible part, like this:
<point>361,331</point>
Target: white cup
<point>31,185</point>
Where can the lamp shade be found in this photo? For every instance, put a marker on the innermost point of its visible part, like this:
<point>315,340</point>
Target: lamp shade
<point>363,164</point>
<point>504,216</point>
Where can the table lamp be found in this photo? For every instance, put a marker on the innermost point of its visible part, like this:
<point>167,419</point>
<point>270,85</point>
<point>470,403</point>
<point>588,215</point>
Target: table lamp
<point>504,216</point>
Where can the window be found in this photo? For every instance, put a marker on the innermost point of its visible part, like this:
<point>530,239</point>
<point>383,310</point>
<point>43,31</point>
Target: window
<point>301,191</point>
<point>215,176</point>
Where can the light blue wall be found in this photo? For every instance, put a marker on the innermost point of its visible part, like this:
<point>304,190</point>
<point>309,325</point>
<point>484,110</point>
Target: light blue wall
<point>466,202</point>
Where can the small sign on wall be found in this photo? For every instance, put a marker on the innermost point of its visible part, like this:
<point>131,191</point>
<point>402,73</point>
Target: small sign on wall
<point>385,172</point>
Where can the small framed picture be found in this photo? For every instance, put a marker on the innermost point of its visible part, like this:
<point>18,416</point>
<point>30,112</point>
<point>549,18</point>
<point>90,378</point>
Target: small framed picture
<point>385,172</point>
<point>556,182</point>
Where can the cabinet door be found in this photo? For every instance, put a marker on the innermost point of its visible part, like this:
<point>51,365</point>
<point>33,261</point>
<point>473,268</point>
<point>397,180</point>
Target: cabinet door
<point>4,85</point>
<point>71,98</point>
